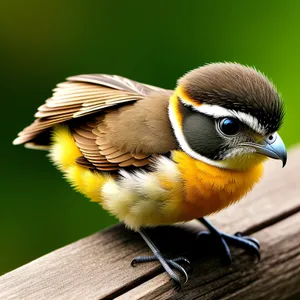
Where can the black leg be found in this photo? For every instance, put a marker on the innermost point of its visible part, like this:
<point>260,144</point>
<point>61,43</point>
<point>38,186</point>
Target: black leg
<point>167,264</point>
<point>224,239</point>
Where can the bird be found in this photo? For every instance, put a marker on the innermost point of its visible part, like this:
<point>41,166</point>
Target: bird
<point>152,156</point>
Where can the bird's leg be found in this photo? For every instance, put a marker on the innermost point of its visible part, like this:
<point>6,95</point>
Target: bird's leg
<point>224,240</point>
<point>167,264</point>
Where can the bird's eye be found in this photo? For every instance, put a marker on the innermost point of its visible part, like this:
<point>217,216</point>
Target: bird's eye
<point>229,126</point>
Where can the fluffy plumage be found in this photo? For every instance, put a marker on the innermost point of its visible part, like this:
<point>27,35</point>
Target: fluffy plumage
<point>154,198</point>
<point>152,156</point>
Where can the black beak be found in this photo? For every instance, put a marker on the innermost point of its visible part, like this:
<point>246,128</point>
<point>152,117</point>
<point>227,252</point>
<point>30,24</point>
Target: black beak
<point>274,148</point>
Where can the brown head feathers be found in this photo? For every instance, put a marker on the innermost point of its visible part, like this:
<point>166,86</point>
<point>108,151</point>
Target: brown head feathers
<point>236,87</point>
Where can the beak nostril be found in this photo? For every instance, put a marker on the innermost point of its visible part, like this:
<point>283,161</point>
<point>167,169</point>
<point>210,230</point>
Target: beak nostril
<point>272,146</point>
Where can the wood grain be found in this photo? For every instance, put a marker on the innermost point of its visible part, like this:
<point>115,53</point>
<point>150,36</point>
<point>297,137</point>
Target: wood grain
<point>276,276</point>
<point>98,266</point>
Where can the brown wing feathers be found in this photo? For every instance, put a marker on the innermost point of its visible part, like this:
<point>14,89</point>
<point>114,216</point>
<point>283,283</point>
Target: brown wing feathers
<point>118,83</point>
<point>92,95</point>
<point>71,101</point>
<point>99,153</point>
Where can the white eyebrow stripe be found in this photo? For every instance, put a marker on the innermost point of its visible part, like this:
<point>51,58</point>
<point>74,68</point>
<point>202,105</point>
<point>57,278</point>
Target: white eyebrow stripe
<point>217,111</point>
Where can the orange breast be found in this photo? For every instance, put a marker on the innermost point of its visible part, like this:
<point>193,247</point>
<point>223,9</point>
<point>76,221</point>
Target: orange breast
<point>209,189</point>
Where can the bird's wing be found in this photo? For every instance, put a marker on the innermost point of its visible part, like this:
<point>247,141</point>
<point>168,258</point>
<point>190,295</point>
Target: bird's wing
<point>100,154</point>
<point>109,131</point>
<point>81,96</point>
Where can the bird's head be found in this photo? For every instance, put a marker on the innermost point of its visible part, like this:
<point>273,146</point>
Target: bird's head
<point>227,115</point>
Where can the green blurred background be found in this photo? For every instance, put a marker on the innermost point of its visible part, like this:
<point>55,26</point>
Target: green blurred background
<point>42,42</point>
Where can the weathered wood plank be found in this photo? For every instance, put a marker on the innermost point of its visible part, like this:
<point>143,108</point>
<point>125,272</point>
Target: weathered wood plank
<point>276,276</point>
<point>98,267</point>
<point>90,267</point>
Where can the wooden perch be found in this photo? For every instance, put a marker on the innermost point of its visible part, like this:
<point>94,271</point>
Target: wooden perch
<point>98,266</point>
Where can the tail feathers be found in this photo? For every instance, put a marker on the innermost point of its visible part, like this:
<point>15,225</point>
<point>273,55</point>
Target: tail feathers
<point>63,154</point>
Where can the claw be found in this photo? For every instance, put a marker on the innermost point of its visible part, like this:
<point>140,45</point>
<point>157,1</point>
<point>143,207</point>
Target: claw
<point>170,262</point>
<point>176,280</point>
<point>179,268</point>
<point>177,284</point>
<point>167,264</point>
<point>253,240</point>
<point>238,240</point>
<point>244,242</point>
<point>142,259</point>
<point>133,263</point>
<point>183,259</point>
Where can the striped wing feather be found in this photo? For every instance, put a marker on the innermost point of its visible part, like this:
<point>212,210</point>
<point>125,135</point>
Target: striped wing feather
<point>100,154</point>
<point>85,95</point>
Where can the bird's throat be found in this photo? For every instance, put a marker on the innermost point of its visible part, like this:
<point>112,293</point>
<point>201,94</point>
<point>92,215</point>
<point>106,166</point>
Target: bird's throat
<point>208,188</point>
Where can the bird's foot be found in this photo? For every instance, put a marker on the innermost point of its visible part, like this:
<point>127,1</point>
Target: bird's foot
<point>168,265</point>
<point>223,241</point>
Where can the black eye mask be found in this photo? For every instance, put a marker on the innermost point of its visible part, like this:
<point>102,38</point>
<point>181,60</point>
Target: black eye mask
<point>200,132</point>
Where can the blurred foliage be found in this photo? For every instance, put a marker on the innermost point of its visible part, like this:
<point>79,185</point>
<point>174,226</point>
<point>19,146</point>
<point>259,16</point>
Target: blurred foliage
<point>42,42</point>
